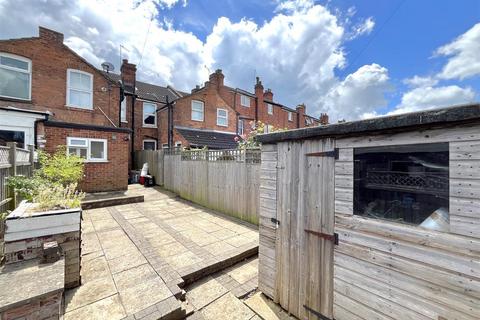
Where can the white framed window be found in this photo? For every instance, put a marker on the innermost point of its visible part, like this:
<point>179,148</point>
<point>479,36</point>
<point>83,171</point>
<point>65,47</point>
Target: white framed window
<point>222,117</point>
<point>197,110</point>
<point>290,116</point>
<point>240,127</point>
<point>178,144</point>
<point>149,144</point>
<point>149,114</point>
<point>269,108</point>
<point>91,150</point>
<point>165,146</point>
<point>245,100</point>
<point>15,77</point>
<point>268,128</point>
<point>79,89</point>
<point>123,110</point>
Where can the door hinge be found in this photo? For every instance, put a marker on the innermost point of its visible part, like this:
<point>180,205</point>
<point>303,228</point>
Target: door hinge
<point>277,223</point>
<point>318,314</point>
<point>326,236</point>
<point>332,153</point>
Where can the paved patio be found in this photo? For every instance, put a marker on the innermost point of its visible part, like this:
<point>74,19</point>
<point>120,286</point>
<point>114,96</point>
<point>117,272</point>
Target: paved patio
<point>136,257</point>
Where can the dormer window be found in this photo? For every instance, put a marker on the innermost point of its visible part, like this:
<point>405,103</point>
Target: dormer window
<point>79,89</point>
<point>15,77</point>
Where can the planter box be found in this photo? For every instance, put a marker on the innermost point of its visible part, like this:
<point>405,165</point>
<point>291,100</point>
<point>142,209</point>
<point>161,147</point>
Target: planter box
<point>26,231</point>
<point>23,224</point>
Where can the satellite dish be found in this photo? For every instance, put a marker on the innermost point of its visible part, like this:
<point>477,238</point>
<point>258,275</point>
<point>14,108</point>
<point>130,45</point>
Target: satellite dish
<point>107,67</point>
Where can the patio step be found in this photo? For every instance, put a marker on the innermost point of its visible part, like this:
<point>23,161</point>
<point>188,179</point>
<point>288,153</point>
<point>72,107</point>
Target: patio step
<point>110,202</point>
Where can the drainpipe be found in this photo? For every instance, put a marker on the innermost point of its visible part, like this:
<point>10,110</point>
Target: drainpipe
<point>235,109</point>
<point>133,120</point>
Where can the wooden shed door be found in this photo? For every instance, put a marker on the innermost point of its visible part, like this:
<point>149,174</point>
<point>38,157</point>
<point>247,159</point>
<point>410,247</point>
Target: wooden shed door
<point>305,211</point>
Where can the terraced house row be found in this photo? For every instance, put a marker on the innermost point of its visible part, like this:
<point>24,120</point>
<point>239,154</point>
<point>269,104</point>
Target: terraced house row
<point>50,96</point>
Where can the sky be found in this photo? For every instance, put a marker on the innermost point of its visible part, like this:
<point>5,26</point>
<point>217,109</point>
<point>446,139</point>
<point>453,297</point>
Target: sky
<point>350,59</point>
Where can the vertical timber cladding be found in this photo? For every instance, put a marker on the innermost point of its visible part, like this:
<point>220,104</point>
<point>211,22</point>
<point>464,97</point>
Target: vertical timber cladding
<point>387,270</point>
<point>305,211</point>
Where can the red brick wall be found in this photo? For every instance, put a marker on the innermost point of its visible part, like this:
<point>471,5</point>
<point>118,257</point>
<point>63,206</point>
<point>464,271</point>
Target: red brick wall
<point>50,60</point>
<point>182,115</point>
<point>98,176</point>
<point>46,307</point>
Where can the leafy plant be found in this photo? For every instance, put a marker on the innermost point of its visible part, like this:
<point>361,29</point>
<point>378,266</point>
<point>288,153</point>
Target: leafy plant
<point>249,140</point>
<point>60,167</point>
<point>59,197</point>
<point>54,184</point>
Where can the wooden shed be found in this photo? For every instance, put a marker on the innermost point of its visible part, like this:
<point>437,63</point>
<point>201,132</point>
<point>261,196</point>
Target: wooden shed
<point>374,219</point>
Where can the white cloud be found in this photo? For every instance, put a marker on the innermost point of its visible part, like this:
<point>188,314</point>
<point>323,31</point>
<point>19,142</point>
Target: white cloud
<point>359,95</point>
<point>464,53</point>
<point>417,81</point>
<point>363,28</point>
<point>424,98</point>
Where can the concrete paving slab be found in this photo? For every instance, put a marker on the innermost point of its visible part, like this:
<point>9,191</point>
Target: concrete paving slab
<point>266,308</point>
<point>229,305</point>
<point>132,277</point>
<point>109,308</point>
<point>143,295</point>
<point>244,272</point>
<point>89,292</point>
<point>126,261</point>
<point>93,269</point>
<point>204,292</point>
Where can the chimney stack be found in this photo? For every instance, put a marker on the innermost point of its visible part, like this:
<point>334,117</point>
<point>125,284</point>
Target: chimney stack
<point>323,119</point>
<point>128,73</point>
<point>50,35</point>
<point>301,108</point>
<point>268,95</point>
<point>216,78</point>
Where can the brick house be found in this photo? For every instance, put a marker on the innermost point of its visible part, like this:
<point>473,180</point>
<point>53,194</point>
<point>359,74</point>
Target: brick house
<point>213,115</point>
<point>51,96</point>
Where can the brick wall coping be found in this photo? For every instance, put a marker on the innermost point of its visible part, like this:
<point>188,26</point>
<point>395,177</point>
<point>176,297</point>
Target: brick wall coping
<point>24,281</point>
<point>60,124</point>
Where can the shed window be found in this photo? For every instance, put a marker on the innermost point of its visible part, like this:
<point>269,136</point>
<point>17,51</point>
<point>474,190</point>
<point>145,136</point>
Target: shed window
<point>15,76</point>
<point>407,184</point>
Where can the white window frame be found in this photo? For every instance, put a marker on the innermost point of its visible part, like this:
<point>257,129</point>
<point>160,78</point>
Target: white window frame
<point>154,114</point>
<point>202,111</point>
<point>268,128</point>
<point>222,117</point>
<point>123,110</point>
<point>178,144</point>
<point>29,71</point>
<point>165,146</point>
<point>244,99</point>
<point>149,140</point>
<point>241,127</point>
<point>69,71</point>
<point>290,116</point>
<point>88,143</point>
<point>269,108</point>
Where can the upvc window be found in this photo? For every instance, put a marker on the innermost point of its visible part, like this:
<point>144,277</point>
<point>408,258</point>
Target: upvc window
<point>149,114</point>
<point>15,77</point>
<point>197,110</point>
<point>123,110</point>
<point>149,144</point>
<point>245,101</point>
<point>269,108</point>
<point>79,89</point>
<point>222,117</point>
<point>268,128</point>
<point>90,149</point>
<point>290,116</point>
<point>165,146</point>
<point>240,127</point>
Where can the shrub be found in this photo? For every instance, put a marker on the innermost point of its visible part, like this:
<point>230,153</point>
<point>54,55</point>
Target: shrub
<point>249,141</point>
<point>53,185</point>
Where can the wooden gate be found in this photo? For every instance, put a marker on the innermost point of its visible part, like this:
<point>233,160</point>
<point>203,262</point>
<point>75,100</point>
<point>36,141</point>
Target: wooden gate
<point>305,234</point>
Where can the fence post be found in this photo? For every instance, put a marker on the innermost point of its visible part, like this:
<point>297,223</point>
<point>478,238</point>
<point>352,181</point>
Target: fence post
<point>31,157</point>
<point>12,159</point>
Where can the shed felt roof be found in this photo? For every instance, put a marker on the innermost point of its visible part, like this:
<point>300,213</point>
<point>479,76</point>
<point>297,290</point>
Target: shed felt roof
<point>150,91</point>
<point>401,122</point>
<point>209,138</point>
